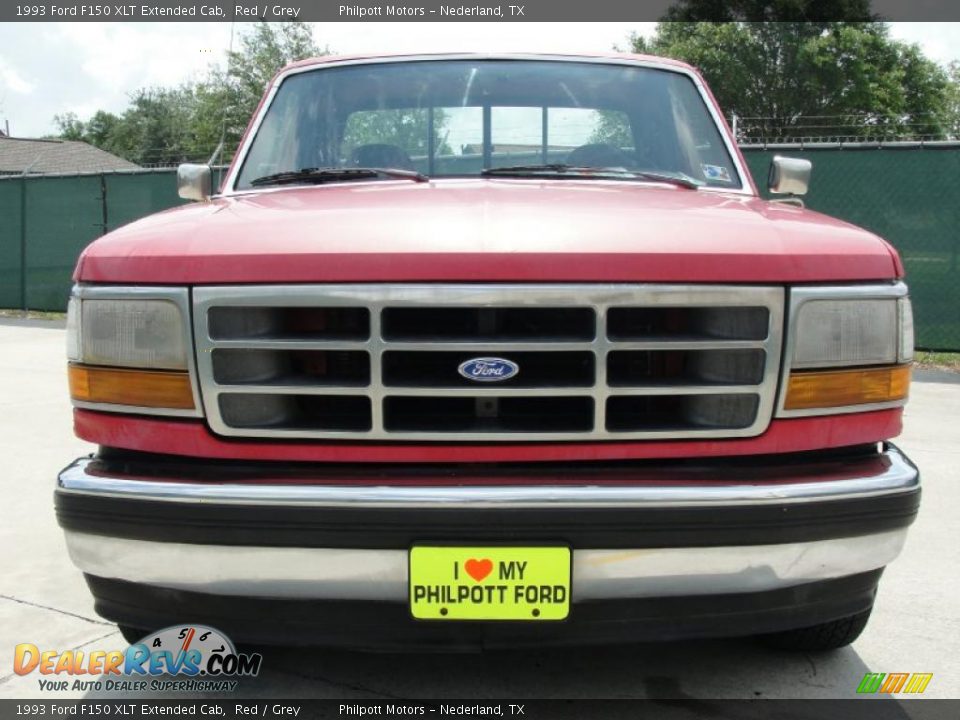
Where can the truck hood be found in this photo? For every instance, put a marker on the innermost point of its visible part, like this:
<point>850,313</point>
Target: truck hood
<point>487,230</point>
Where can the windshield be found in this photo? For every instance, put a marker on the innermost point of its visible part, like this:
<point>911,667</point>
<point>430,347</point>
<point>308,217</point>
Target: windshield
<point>459,118</point>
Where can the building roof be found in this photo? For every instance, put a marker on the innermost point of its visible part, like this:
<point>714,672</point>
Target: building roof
<point>56,156</point>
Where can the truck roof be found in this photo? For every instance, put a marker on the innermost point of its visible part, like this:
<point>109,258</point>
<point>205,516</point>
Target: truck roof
<point>588,55</point>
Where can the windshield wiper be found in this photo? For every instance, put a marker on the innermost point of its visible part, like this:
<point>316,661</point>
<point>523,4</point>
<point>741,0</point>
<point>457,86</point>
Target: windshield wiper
<point>531,169</point>
<point>336,174</point>
<point>561,170</point>
<point>680,179</point>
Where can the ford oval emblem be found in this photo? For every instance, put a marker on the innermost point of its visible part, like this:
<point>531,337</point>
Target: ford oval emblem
<point>488,369</point>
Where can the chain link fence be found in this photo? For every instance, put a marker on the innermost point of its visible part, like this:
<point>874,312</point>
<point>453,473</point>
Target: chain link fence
<point>47,220</point>
<point>908,193</point>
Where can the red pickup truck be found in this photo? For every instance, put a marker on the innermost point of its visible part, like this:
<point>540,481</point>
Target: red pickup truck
<point>480,350</point>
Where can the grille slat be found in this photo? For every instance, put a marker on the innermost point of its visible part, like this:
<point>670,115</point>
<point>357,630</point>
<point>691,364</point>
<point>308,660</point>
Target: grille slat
<point>656,368</point>
<point>487,347</point>
<point>438,369</point>
<point>652,390</point>
<point>291,389</point>
<point>492,392</point>
<point>326,412</point>
<point>277,344</point>
<point>526,414</point>
<point>687,323</point>
<point>488,324</point>
<point>688,345</point>
<point>665,412</point>
<point>291,367</point>
<point>290,323</point>
<point>596,362</point>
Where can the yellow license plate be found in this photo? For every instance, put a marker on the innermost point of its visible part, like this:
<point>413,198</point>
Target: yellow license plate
<point>489,583</point>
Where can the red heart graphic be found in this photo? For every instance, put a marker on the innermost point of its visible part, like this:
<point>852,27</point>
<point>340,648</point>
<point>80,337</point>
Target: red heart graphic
<point>478,569</point>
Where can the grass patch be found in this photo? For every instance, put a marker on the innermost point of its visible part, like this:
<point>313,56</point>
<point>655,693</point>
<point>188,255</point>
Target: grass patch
<point>940,360</point>
<point>33,314</point>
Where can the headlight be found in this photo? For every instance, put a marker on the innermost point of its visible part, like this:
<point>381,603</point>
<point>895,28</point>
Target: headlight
<point>831,333</point>
<point>130,333</point>
<point>849,349</point>
<point>130,348</point>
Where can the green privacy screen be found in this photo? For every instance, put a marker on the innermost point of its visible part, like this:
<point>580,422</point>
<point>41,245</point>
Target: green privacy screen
<point>130,197</point>
<point>11,193</point>
<point>63,215</point>
<point>910,196</point>
<point>47,220</point>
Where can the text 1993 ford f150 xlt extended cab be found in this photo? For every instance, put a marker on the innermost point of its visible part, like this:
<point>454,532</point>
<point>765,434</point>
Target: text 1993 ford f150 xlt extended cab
<point>477,350</point>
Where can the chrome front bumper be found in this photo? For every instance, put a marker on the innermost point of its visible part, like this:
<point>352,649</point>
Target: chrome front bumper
<point>115,528</point>
<point>343,574</point>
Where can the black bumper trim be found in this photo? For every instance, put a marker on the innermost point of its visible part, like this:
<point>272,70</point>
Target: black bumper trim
<point>384,528</point>
<point>368,526</point>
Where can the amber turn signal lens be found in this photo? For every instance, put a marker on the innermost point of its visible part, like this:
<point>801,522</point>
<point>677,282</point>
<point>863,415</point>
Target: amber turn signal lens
<point>838,388</point>
<point>142,388</point>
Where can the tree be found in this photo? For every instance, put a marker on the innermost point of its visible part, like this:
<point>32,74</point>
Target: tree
<point>154,130</point>
<point>408,129</point>
<point>226,99</point>
<point>797,78</point>
<point>953,100</point>
<point>806,11</point>
<point>69,126</point>
<point>100,128</point>
<point>170,125</point>
<point>188,122</point>
<point>612,128</point>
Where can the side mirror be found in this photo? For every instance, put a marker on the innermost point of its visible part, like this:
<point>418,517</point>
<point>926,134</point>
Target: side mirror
<point>193,182</point>
<point>789,176</point>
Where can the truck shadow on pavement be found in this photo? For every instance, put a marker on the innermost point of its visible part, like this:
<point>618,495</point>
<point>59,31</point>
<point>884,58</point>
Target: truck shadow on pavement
<point>662,671</point>
<point>687,679</point>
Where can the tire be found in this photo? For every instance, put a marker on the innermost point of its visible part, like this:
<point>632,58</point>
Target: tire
<point>132,634</point>
<point>826,636</point>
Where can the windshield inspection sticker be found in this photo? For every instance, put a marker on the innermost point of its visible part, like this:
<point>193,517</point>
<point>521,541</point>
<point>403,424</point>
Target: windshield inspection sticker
<point>715,172</point>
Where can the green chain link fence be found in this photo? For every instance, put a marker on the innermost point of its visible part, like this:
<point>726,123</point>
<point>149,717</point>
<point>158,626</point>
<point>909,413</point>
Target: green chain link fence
<point>48,219</point>
<point>908,195</point>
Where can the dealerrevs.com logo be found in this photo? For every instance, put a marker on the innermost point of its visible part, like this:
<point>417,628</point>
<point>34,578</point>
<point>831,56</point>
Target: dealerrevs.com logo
<point>189,658</point>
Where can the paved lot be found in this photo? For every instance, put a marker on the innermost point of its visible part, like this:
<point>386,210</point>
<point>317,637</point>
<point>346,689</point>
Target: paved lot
<point>43,599</point>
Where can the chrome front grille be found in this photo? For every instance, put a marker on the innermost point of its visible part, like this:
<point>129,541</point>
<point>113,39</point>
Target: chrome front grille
<point>596,362</point>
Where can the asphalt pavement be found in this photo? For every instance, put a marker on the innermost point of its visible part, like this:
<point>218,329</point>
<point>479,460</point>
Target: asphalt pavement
<point>43,599</point>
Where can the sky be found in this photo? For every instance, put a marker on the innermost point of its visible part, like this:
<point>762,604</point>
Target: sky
<point>52,68</point>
